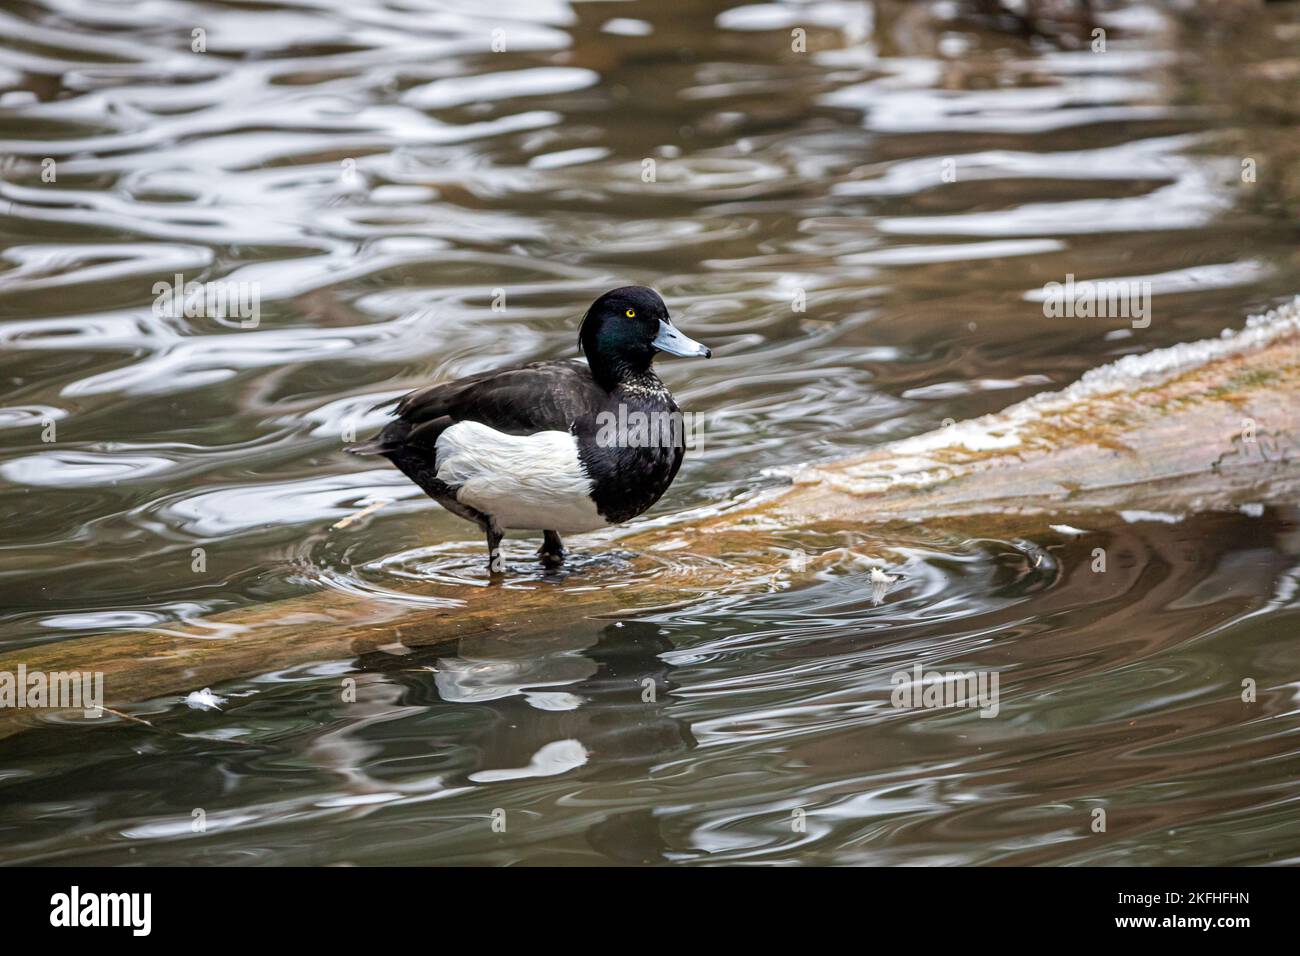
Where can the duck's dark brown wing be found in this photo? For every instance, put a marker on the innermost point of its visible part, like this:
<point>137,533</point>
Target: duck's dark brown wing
<point>541,396</point>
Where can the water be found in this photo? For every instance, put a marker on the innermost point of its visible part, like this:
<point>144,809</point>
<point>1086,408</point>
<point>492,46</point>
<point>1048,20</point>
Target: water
<point>381,178</point>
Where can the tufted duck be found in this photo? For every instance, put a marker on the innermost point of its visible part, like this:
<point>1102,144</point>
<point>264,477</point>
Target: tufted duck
<point>544,446</point>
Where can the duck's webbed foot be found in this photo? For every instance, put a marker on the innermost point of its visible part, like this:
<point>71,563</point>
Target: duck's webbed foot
<point>551,553</point>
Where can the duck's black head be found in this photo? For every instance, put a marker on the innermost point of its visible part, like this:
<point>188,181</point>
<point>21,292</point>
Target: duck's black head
<point>623,331</point>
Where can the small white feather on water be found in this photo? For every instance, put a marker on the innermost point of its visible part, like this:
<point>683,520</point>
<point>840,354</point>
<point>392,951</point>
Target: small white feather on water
<point>204,700</point>
<point>1067,529</point>
<point>880,582</point>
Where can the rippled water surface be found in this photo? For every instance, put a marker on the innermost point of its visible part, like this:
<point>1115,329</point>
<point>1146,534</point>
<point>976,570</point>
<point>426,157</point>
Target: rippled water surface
<point>411,205</point>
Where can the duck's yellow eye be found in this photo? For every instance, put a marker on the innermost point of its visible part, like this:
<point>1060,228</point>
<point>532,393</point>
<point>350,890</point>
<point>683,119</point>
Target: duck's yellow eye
<point>630,313</point>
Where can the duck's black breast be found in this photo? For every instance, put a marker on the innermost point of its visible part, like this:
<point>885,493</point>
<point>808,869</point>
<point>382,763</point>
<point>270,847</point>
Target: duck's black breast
<point>631,448</point>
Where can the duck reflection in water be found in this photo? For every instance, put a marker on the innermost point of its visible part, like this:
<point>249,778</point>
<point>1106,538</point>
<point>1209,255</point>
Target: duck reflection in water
<point>492,708</point>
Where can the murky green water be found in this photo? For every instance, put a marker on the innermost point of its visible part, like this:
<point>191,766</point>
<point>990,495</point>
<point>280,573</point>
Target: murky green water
<point>381,177</point>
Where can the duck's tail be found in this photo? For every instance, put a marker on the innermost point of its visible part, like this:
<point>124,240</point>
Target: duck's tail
<point>391,439</point>
<point>388,440</point>
<point>373,446</point>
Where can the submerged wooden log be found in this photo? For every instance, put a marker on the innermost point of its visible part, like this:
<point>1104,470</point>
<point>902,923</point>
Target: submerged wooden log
<point>1205,426</point>
<point>1196,427</point>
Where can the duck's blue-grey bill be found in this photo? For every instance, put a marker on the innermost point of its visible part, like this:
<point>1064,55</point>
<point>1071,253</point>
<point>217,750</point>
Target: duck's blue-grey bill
<point>674,343</point>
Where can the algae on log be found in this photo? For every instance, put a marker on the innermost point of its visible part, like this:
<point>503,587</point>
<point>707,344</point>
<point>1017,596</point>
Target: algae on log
<point>1197,427</point>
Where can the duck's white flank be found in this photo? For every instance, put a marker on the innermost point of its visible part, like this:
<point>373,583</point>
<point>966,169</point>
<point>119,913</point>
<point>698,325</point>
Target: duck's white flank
<point>526,482</point>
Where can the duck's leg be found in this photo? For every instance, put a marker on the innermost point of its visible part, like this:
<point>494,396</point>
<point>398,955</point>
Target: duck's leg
<point>496,563</point>
<point>551,553</point>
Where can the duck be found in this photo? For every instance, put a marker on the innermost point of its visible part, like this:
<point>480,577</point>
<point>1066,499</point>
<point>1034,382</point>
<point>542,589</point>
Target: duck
<point>547,446</point>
